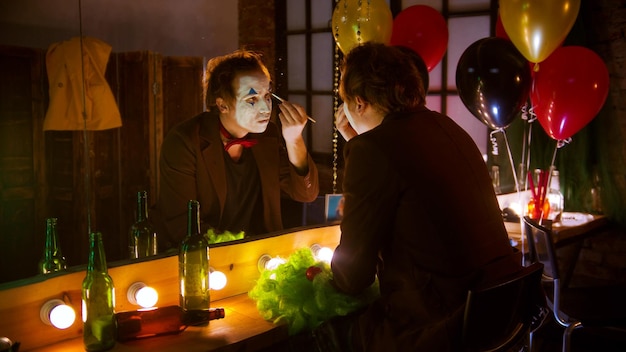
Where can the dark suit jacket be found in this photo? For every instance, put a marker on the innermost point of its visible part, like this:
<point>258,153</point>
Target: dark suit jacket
<point>421,213</point>
<point>192,167</point>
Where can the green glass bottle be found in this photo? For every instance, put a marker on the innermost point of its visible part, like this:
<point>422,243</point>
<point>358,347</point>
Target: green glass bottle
<point>52,259</point>
<point>193,264</point>
<point>99,324</point>
<point>142,240</point>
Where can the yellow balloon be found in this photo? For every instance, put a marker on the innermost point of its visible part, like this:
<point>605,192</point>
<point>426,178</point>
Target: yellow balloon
<point>538,27</point>
<point>358,21</point>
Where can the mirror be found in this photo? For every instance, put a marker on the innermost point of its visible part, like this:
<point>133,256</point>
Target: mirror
<point>159,48</point>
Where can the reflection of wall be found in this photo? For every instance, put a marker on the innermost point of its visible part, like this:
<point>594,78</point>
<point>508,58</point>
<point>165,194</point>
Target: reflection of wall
<point>182,27</point>
<point>44,174</point>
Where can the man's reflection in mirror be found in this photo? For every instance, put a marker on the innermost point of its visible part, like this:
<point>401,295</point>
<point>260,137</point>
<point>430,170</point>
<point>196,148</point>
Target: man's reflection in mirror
<point>232,158</point>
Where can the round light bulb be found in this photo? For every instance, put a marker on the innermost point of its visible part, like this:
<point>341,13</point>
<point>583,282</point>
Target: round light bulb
<point>58,314</point>
<point>147,297</point>
<point>274,263</point>
<point>217,280</point>
<point>142,295</point>
<point>323,254</point>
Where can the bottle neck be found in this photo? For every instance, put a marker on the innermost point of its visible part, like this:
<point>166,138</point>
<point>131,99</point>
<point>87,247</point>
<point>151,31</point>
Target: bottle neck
<point>51,237</point>
<point>193,218</point>
<point>142,206</point>
<point>97,258</point>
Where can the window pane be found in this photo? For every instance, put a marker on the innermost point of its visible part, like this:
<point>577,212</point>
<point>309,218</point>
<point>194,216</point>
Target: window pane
<point>296,63</point>
<point>435,78</point>
<point>433,102</point>
<point>469,5</point>
<point>322,68</point>
<point>459,113</point>
<point>322,111</point>
<point>295,14</point>
<point>462,33</point>
<point>321,12</point>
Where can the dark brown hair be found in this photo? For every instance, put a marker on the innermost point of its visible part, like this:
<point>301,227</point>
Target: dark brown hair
<point>221,72</point>
<point>383,76</point>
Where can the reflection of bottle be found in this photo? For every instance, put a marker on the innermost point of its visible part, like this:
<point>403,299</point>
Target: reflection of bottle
<point>99,325</point>
<point>555,197</point>
<point>52,260</point>
<point>159,321</point>
<point>142,237</point>
<point>193,264</point>
<point>495,178</point>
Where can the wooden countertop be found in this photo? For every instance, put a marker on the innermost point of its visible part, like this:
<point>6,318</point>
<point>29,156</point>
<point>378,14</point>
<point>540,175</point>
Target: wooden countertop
<point>242,329</point>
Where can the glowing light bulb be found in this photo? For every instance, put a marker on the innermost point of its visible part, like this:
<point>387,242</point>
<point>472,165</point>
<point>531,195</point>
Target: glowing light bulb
<point>58,314</point>
<point>323,254</point>
<point>142,295</point>
<point>266,262</point>
<point>217,279</point>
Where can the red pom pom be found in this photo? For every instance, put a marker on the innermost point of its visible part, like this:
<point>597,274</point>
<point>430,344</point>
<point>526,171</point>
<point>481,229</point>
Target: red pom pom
<point>312,271</point>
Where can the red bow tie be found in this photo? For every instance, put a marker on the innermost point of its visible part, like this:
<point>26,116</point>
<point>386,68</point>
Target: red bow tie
<point>245,142</point>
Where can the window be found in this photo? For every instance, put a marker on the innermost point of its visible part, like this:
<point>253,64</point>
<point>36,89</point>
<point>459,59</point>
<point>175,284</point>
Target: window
<point>307,67</point>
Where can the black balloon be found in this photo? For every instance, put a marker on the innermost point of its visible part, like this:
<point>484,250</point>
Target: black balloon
<point>493,79</point>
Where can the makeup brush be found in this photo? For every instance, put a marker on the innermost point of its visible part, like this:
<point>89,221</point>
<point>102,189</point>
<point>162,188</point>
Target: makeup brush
<point>282,100</point>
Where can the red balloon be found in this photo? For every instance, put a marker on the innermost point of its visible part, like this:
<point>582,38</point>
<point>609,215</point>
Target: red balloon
<point>423,29</point>
<point>500,31</point>
<point>569,90</point>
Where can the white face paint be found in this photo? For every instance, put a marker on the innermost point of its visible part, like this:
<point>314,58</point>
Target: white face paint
<point>349,116</point>
<point>253,103</point>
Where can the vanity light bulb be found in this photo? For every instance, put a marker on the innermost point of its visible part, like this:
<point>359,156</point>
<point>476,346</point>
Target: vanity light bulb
<point>269,263</point>
<point>142,295</point>
<point>217,280</point>
<point>147,297</point>
<point>58,314</point>
<point>323,254</point>
<point>274,263</point>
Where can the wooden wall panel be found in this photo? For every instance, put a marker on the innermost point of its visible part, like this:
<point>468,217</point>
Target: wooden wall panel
<point>22,186</point>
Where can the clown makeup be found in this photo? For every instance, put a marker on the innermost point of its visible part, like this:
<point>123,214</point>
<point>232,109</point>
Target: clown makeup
<point>253,104</point>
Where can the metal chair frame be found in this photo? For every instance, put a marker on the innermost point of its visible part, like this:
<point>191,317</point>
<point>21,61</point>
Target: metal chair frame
<point>498,315</point>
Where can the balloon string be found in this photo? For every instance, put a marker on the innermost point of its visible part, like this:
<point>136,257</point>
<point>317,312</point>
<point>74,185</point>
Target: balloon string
<point>494,142</point>
<point>517,188</point>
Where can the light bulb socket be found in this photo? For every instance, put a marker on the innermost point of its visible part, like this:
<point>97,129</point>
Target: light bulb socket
<point>263,260</point>
<point>315,248</point>
<point>44,312</point>
<point>131,294</point>
<point>57,313</point>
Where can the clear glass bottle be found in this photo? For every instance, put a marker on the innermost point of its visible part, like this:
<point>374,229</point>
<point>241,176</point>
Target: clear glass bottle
<point>142,240</point>
<point>555,197</point>
<point>193,264</point>
<point>98,295</point>
<point>52,259</point>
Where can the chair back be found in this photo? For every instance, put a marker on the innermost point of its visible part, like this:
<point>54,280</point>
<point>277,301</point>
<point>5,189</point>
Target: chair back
<point>498,315</point>
<point>540,240</point>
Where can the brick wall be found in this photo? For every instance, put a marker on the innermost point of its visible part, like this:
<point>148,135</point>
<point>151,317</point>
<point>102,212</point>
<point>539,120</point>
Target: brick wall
<point>257,30</point>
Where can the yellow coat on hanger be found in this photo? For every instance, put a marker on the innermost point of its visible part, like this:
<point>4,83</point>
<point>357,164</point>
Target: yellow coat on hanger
<point>69,97</point>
